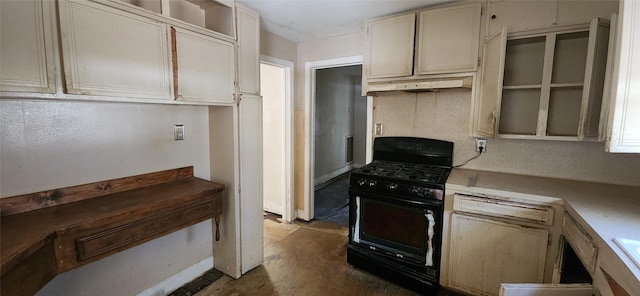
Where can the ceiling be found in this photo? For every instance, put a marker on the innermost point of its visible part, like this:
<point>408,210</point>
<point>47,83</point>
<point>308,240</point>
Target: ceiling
<point>305,20</point>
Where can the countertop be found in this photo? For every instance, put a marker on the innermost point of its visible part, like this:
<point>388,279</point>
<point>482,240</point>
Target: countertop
<point>605,211</point>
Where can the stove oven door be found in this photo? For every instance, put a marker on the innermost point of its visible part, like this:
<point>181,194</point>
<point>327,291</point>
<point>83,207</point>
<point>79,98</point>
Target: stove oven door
<point>407,230</point>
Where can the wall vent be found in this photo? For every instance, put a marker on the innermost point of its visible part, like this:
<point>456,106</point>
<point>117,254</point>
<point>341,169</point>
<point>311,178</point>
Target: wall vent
<point>349,149</point>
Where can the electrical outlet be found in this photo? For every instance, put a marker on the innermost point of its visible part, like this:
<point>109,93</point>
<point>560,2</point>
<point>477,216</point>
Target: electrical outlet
<point>178,132</point>
<point>378,129</point>
<point>481,143</point>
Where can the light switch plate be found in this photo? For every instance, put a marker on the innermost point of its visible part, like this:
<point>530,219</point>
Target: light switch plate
<point>178,132</point>
<point>379,129</point>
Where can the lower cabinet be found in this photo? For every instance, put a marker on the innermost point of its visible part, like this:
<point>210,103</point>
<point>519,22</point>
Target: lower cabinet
<point>493,241</point>
<point>486,253</point>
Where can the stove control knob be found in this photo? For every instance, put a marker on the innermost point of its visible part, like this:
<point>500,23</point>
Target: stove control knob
<point>372,183</point>
<point>392,186</point>
<point>361,182</point>
<point>416,190</point>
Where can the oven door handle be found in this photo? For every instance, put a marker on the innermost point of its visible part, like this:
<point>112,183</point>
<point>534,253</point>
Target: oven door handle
<point>432,222</point>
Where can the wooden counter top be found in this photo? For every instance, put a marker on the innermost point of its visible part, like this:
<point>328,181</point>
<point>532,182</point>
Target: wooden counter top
<point>605,211</point>
<point>91,226</point>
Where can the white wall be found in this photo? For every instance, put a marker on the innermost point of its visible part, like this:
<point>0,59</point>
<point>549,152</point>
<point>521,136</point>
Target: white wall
<point>315,50</point>
<point>445,115</point>
<point>53,144</point>
<point>272,84</point>
<point>333,120</point>
<point>359,124</point>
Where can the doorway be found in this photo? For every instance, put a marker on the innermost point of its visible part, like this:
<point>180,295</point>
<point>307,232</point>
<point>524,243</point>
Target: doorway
<point>314,70</point>
<point>276,83</point>
<point>340,116</point>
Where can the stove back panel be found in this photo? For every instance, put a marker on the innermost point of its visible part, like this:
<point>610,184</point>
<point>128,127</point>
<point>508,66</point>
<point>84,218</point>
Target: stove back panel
<point>413,150</point>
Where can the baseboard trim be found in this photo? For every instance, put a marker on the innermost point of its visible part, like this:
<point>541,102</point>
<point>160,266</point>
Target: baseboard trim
<point>332,175</point>
<point>179,279</point>
<point>302,215</point>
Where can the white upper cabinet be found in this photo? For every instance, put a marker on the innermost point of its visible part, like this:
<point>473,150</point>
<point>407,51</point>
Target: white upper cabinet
<point>518,15</point>
<point>26,50</point>
<point>203,68</point>
<point>389,51</point>
<point>448,39</point>
<point>110,52</point>
<point>624,128</point>
<point>552,84</point>
<point>248,50</point>
<point>439,40</point>
<point>488,108</point>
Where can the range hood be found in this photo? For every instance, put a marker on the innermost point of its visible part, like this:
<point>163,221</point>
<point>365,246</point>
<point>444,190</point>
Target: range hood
<point>422,85</point>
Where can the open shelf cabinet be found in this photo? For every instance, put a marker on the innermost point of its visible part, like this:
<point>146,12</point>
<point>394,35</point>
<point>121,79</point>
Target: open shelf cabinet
<point>213,15</point>
<point>544,84</point>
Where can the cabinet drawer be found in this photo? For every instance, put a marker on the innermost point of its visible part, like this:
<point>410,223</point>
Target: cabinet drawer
<point>581,242</point>
<point>504,209</point>
<point>136,232</point>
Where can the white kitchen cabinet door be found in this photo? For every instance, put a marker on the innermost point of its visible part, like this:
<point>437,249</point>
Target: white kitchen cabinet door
<point>251,201</point>
<point>390,43</point>
<point>204,68</point>
<point>487,105</point>
<point>248,50</point>
<point>485,253</point>
<point>624,117</point>
<point>550,81</point>
<point>111,52</point>
<point>26,50</point>
<point>448,39</point>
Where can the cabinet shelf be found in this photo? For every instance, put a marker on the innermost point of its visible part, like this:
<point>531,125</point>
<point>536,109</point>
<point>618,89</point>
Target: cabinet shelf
<point>546,84</point>
<point>534,86</point>
<point>212,15</point>
<point>567,85</point>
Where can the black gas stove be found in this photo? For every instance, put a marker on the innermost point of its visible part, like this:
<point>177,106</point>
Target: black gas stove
<point>405,179</point>
<point>396,209</point>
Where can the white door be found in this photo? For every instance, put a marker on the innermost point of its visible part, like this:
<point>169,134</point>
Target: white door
<point>273,122</point>
<point>250,144</point>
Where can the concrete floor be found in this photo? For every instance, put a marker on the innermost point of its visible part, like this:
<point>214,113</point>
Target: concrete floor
<point>304,259</point>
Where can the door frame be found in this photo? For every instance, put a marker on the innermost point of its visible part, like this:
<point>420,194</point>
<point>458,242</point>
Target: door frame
<point>289,213</point>
<point>307,213</point>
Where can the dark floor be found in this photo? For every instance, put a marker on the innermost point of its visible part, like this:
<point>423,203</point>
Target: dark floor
<point>332,200</point>
<point>198,284</point>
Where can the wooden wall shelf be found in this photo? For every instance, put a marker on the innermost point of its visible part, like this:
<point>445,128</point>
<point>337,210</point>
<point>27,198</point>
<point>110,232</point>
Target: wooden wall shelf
<point>50,232</point>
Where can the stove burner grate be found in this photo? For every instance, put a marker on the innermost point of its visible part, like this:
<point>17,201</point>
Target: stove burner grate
<point>405,171</point>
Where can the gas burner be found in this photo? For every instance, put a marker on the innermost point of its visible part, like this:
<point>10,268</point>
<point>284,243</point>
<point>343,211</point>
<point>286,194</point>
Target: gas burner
<point>405,171</point>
